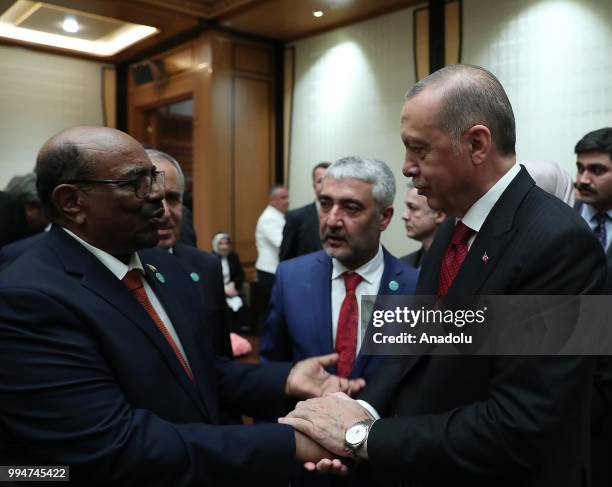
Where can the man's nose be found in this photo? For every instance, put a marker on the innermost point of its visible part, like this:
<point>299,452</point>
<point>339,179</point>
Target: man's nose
<point>410,169</point>
<point>334,217</point>
<point>583,178</point>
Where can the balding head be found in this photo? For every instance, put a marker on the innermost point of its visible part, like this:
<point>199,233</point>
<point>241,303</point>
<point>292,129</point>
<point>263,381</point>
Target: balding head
<point>74,154</point>
<point>99,183</point>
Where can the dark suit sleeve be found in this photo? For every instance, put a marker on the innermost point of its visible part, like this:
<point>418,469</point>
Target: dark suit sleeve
<point>275,343</point>
<point>58,392</point>
<point>288,248</point>
<point>504,434</point>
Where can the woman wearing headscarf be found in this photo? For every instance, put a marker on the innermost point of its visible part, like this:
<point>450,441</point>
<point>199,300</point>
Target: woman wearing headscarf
<point>233,278</point>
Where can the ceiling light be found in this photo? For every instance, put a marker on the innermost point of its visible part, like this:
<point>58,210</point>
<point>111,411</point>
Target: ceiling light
<point>70,25</point>
<point>318,13</point>
<point>116,36</point>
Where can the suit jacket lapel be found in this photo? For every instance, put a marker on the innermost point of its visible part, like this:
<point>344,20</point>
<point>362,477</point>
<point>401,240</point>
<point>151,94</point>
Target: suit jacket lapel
<point>183,326</point>
<point>493,239</point>
<point>99,280</point>
<point>321,297</point>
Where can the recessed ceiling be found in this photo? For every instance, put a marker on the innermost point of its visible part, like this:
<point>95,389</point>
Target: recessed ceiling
<point>41,23</point>
<point>178,20</point>
<point>288,20</point>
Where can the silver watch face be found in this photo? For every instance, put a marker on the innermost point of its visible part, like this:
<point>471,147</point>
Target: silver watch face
<point>356,434</point>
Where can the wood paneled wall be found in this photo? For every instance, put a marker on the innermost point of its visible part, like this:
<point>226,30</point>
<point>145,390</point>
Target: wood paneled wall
<point>232,83</point>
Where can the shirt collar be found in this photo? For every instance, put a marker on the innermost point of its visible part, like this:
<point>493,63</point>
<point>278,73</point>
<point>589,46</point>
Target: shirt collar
<point>479,211</point>
<point>590,212</point>
<point>118,268</point>
<point>367,271</point>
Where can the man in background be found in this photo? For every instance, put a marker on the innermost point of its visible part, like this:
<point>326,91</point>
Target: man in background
<point>421,223</point>
<point>305,316</point>
<point>301,231</point>
<point>26,222</point>
<point>268,238</point>
<point>316,300</point>
<point>594,186</point>
<point>203,268</point>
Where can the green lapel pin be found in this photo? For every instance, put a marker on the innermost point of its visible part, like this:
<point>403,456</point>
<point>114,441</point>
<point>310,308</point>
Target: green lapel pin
<point>393,285</point>
<point>195,277</point>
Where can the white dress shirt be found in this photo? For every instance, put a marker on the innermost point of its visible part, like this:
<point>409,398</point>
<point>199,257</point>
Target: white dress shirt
<point>371,273</point>
<point>268,238</point>
<point>119,270</point>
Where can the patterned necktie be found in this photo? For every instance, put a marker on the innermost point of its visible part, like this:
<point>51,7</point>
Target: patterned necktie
<point>133,281</point>
<point>454,257</point>
<point>600,229</point>
<point>348,323</point>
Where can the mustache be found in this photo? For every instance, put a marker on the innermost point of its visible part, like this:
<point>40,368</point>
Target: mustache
<point>584,187</point>
<point>332,234</point>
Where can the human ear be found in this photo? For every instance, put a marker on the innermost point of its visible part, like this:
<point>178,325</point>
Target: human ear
<point>68,202</point>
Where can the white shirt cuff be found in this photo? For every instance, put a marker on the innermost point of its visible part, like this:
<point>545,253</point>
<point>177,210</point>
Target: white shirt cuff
<point>368,407</point>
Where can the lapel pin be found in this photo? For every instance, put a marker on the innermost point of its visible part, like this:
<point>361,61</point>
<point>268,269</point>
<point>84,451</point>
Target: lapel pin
<point>195,277</point>
<point>485,258</point>
<point>160,277</point>
<point>393,285</point>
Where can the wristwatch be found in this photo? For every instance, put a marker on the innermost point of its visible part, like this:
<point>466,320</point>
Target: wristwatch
<point>357,434</point>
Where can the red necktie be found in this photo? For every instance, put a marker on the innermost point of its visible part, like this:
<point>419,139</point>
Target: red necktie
<point>454,257</point>
<point>133,281</point>
<point>348,321</point>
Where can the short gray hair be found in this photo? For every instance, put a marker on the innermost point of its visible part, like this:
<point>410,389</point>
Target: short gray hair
<point>471,95</point>
<point>371,171</point>
<point>154,153</point>
<point>23,188</point>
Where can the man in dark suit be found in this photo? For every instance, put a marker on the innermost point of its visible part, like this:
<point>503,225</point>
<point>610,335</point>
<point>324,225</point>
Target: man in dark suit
<point>202,267</point>
<point>421,223</point>
<point>476,420</point>
<point>594,185</point>
<point>356,201</point>
<point>105,367</point>
<point>301,230</point>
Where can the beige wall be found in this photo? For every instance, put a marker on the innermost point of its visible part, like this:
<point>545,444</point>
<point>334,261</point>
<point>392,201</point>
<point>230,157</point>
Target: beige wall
<point>349,87</point>
<point>555,60</point>
<point>40,94</point>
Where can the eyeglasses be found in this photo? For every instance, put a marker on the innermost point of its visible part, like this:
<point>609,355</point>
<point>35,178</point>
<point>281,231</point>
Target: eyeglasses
<point>141,185</point>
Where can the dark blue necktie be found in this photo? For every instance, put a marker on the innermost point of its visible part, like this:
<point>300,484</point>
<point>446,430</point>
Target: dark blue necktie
<point>600,229</point>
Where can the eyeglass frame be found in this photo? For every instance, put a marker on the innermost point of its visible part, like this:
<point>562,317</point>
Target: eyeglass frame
<point>156,176</point>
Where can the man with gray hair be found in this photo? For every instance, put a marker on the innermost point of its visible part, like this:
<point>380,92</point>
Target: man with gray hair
<point>475,420</point>
<point>23,188</point>
<point>203,268</point>
<point>26,221</point>
<point>315,306</point>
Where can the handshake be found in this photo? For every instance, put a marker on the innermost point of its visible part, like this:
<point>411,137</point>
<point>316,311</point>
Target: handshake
<point>321,422</point>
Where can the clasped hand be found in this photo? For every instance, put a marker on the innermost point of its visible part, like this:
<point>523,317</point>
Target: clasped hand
<point>321,422</point>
